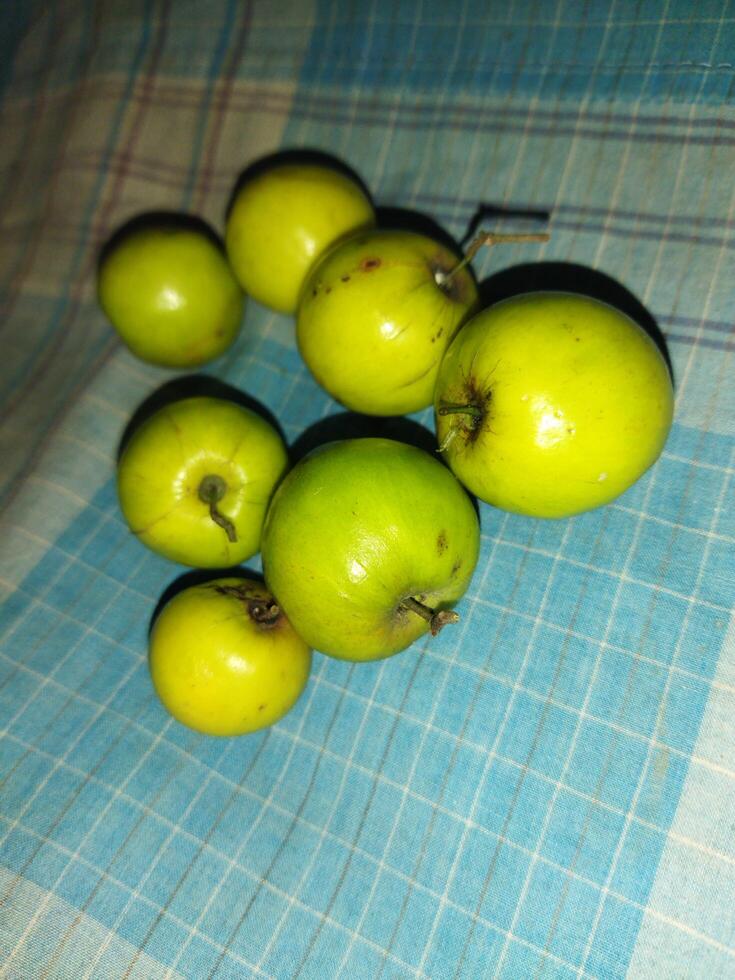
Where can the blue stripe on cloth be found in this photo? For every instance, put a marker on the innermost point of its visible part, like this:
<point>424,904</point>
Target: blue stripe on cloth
<point>478,786</point>
<point>653,51</point>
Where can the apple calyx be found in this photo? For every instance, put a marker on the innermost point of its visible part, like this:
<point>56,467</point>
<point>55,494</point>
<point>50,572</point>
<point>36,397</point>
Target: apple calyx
<point>264,612</point>
<point>211,490</point>
<point>436,619</point>
<point>489,238</point>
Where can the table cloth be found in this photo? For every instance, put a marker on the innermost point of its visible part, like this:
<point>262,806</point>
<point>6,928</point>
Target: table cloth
<point>546,789</point>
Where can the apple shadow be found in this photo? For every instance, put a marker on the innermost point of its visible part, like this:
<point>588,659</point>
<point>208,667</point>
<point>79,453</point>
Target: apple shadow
<point>197,576</point>
<point>157,221</point>
<point>351,425</point>
<point>524,219</point>
<point>403,219</point>
<point>571,277</point>
<point>298,156</point>
<point>193,386</point>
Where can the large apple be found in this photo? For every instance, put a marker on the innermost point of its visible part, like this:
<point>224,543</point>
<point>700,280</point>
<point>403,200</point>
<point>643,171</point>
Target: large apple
<point>225,660</point>
<point>169,292</point>
<point>368,543</point>
<point>376,315</point>
<point>550,404</point>
<point>282,219</point>
<point>195,479</point>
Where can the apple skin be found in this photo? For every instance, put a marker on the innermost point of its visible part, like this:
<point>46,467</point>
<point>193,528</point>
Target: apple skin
<point>224,660</point>
<point>282,220</point>
<point>356,528</point>
<point>575,402</point>
<point>373,322</point>
<point>171,295</point>
<point>164,463</point>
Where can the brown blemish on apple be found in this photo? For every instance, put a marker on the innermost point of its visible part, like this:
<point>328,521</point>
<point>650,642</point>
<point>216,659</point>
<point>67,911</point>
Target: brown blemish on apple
<point>262,707</point>
<point>368,264</point>
<point>441,542</point>
<point>456,566</point>
<point>345,278</point>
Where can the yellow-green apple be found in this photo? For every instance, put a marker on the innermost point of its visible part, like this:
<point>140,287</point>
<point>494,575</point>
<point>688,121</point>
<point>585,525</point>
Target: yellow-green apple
<point>282,219</point>
<point>376,315</point>
<point>224,658</point>
<point>368,543</point>
<point>195,479</point>
<point>550,404</point>
<point>169,292</point>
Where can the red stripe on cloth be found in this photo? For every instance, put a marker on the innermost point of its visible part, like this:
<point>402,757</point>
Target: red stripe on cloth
<point>27,255</point>
<point>156,172</point>
<point>100,225</point>
<point>220,108</point>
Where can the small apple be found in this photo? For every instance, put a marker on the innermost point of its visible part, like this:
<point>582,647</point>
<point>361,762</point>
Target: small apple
<point>195,479</point>
<point>550,404</point>
<point>376,315</point>
<point>225,660</point>
<point>170,294</point>
<point>367,544</point>
<point>283,219</point>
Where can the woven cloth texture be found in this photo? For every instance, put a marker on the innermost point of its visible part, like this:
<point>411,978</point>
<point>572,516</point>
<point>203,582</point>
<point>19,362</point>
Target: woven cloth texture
<point>546,789</point>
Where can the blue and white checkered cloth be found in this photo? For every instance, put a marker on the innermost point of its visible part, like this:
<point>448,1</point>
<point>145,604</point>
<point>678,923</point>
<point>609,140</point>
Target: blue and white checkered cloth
<point>545,790</point>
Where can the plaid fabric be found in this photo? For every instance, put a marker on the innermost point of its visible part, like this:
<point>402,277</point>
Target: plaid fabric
<point>546,790</point>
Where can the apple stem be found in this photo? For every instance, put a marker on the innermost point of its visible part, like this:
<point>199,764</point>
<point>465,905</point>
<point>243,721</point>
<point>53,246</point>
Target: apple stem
<point>263,610</point>
<point>447,408</point>
<point>488,238</point>
<point>436,620</point>
<point>211,490</point>
<point>448,438</point>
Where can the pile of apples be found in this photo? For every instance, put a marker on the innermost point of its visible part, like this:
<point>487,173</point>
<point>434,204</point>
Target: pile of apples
<point>547,404</point>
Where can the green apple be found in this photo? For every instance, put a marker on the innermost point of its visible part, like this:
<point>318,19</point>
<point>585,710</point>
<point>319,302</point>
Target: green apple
<point>225,660</point>
<point>169,292</point>
<point>367,544</point>
<point>195,480</point>
<point>376,315</point>
<point>550,404</point>
<point>282,220</point>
